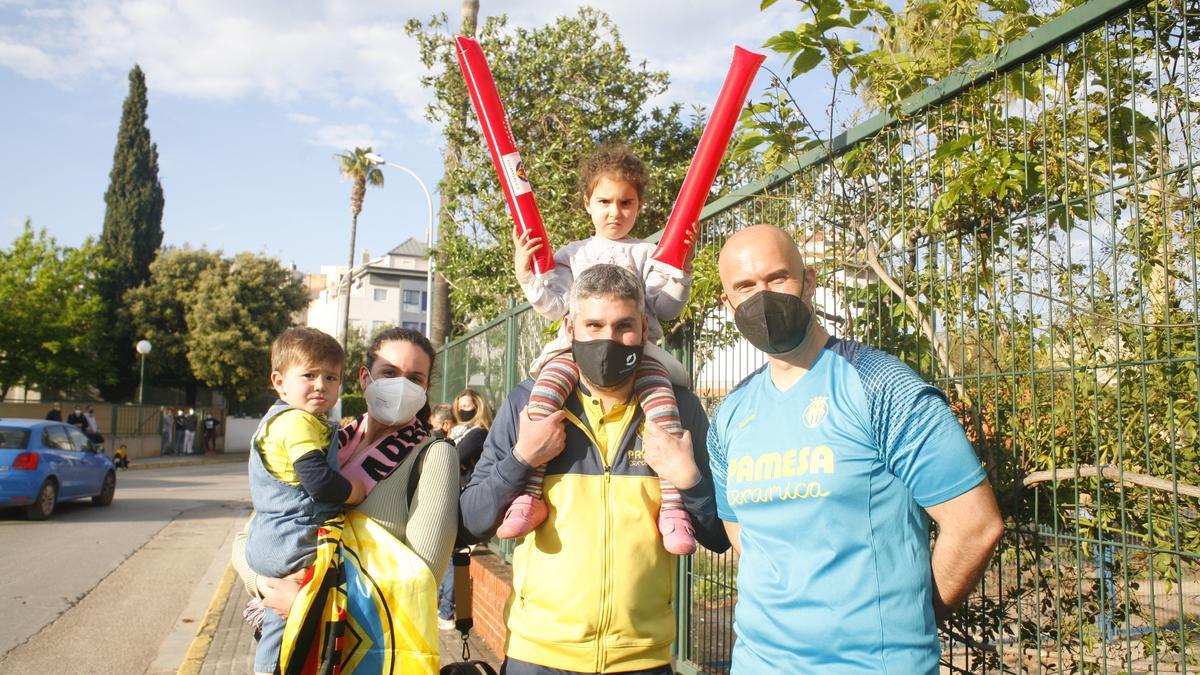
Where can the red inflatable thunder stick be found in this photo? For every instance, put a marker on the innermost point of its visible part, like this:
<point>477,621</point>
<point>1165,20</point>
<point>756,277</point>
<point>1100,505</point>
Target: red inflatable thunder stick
<point>517,190</point>
<point>673,248</point>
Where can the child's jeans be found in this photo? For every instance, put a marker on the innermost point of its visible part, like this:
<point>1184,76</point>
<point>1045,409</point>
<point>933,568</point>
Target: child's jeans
<point>266,654</point>
<point>446,594</point>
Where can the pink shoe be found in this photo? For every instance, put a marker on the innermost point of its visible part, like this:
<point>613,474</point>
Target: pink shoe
<point>523,516</point>
<point>677,533</point>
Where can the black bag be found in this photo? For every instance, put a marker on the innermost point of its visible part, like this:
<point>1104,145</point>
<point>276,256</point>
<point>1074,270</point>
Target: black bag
<point>468,668</point>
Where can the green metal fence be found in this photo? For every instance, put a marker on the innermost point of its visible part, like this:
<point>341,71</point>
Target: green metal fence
<point>1058,311</point>
<point>492,358</point>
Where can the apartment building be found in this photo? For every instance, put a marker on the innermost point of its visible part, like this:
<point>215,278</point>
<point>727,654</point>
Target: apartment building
<point>389,290</point>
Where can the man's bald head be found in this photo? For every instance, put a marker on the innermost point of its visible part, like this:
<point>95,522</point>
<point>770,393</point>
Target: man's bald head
<point>759,237</point>
<point>759,257</point>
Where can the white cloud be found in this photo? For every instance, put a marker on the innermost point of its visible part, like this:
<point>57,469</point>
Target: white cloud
<point>301,118</point>
<point>224,50</point>
<point>342,136</point>
<point>26,60</point>
<point>43,13</point>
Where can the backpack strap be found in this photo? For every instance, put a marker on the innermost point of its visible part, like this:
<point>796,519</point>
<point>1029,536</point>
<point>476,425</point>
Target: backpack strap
<point>463,538</point>
<point>414,476</point>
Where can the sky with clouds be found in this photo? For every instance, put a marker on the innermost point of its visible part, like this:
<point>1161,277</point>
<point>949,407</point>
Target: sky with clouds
<point>248,102</point>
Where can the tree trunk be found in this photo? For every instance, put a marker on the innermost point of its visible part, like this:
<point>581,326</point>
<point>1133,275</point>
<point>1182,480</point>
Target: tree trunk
<point>347,280</point>
<point>440,326</point>
<point>470,17</point>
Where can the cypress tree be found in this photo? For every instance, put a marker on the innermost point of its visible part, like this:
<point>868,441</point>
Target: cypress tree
<point>132,230</point>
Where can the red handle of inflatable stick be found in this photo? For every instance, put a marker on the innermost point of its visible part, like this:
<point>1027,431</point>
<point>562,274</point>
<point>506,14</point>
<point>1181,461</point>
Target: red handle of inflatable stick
<point>505,157</point>
<point>674,246</point>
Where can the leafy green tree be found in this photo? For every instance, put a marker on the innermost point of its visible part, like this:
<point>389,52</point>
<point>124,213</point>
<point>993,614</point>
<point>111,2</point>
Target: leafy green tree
<point>132,230</point>
<point>158,310</point>
<point>362,171</point>
<point>356,355</point>
<point>236,311</point>
<point>51,317</point>
<point>567,87</point>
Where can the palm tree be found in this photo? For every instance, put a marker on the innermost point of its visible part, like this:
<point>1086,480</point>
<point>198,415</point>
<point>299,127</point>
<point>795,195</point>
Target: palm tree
<point>356,166</point>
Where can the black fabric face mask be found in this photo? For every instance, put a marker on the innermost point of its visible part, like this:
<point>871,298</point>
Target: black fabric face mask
<point>774,323</point>
<point>466,415</point>
<point>606,363</point>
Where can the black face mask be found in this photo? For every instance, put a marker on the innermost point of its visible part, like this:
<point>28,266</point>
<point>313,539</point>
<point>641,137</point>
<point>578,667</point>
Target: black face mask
<point>466,415</point>
<point>606,363</point>
<point>774,323</point>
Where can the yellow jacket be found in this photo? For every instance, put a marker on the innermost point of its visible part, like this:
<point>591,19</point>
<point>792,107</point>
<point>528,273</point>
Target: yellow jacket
<point>593,588</point>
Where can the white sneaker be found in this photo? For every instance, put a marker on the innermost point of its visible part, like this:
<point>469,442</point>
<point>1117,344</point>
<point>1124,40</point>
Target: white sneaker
<point>445,624</point>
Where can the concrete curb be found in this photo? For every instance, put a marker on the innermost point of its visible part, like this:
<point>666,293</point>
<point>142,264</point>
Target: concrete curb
<point>168,463</point>
<point>198,650</point>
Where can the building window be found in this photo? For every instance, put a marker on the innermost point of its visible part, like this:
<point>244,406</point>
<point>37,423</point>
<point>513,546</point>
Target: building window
<point>380,295</point>
<point>414,298</point>
<point>418,326</point>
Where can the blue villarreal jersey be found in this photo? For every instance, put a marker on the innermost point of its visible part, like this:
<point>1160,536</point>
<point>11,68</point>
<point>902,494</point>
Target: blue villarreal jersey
<point>827,481</point>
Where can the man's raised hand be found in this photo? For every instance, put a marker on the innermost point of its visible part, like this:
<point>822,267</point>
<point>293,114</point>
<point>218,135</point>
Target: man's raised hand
<point>670,457</point>
<point>539,441</point>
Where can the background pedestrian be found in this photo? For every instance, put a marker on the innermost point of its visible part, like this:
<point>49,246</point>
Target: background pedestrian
<point>77,419</point>
<point>179,424</point>
<point>210,425</point>
<point>166,443</point>
<point>189,432</point>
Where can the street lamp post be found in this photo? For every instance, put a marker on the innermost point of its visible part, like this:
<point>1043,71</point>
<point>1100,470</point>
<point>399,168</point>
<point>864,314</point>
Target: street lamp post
<point>430,235</point>
<point>143,347</point>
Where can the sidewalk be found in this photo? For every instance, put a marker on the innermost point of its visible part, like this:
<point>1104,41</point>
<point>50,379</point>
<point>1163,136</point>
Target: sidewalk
<point>225,646</point>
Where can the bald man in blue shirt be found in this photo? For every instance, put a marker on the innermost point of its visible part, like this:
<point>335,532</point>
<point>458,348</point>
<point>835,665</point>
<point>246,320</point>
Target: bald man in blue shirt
<point>829,463</point>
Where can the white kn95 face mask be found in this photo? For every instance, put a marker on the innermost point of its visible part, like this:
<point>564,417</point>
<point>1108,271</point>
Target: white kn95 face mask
<point>393,400</point>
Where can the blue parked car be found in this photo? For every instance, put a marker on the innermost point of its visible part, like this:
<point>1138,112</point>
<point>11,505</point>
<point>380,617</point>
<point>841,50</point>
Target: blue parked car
<point>43,463</point>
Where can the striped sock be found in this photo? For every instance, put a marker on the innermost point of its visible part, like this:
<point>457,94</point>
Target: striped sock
<point>533,487</point>
<point>654,392</point>
<point>556,381</point>
<point>670,496</point>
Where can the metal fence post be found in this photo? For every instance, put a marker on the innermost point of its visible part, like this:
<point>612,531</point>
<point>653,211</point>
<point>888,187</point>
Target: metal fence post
<point>445,372</point>
<point>682,349</point>
<point>511,357</point>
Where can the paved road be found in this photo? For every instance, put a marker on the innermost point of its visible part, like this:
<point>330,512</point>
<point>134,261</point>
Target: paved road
<point>99,589</point>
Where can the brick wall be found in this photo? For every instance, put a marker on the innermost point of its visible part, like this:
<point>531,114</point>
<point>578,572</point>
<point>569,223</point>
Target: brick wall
<point>492,582</point>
